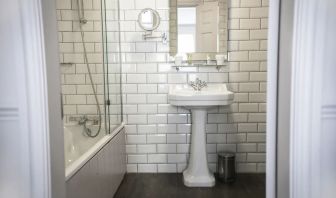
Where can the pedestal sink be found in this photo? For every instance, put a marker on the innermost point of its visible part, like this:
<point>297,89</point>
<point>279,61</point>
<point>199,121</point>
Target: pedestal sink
<point>197,173</point>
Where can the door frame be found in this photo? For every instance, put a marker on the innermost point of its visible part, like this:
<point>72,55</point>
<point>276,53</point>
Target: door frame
<point>281,68</point>
<point>272,98</point>
<point>280,41</point>
<point>42,72</point>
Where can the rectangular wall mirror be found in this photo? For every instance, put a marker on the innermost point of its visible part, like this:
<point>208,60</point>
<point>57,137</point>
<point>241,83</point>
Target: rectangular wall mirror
<point>198,27</point>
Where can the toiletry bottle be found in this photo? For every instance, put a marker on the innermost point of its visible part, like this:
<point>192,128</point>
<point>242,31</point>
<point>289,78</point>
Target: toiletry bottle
<point>208,60</point>
<point>189,58</point>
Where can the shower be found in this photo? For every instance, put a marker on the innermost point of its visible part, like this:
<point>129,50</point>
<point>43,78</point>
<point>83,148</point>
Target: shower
<point>83,21</point>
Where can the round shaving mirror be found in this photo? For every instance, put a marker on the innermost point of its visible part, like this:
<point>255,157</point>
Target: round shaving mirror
<point>149,19</point>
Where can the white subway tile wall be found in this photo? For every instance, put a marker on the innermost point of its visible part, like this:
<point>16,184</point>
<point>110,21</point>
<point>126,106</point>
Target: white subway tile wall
<point>78,98</point>
<point>158,134</point>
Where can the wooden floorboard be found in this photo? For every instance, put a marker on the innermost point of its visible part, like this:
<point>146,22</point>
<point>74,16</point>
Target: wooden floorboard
<point>170,185</point>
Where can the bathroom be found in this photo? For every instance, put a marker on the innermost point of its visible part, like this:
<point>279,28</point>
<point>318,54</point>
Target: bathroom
<point>167,98</point>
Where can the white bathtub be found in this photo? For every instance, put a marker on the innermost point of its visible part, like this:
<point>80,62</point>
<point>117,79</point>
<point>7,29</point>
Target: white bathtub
<point>79,148</point>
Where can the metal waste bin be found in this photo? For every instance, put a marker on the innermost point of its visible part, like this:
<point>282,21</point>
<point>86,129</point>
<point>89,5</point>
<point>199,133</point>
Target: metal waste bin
<point>226,167</point>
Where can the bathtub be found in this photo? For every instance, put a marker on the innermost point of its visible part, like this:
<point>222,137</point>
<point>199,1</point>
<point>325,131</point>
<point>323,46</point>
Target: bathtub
<point>95,167</point>
<point>79,148</point>
<point>76,143</point>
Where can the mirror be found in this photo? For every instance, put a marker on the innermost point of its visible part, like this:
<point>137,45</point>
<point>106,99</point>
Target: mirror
<point>149,19</point>
<point>198,28</point>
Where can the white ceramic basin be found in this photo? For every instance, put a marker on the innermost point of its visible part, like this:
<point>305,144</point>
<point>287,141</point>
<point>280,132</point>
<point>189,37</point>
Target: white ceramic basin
<point>198,174</point>
<point>212,95</point>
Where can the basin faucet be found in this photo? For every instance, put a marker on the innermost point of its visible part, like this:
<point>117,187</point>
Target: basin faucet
<point>198,84</point>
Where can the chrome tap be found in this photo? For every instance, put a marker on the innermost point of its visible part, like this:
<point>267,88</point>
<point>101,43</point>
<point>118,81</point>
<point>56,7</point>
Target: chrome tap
<point>198,84</point>
<point>82,120</point>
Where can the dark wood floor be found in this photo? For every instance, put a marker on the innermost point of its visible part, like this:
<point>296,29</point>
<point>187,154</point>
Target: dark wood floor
<point>171,186</point>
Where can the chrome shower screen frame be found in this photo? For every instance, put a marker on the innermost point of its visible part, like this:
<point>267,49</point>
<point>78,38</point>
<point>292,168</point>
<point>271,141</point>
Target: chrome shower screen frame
<point>111,45</point>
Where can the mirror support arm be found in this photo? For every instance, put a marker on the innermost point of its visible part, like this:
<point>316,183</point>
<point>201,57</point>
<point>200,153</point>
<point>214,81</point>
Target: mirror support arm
<point>149,35</point>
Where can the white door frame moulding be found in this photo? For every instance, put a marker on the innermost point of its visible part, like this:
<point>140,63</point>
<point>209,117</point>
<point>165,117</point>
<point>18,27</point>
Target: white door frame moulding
<point>52,75</point>
<point>36,96</point>
<point>43,88</point>
<point>284,96</point>
<point>272,98</point>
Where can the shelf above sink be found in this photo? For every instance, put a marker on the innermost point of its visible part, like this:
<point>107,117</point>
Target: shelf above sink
<point>199,64</point>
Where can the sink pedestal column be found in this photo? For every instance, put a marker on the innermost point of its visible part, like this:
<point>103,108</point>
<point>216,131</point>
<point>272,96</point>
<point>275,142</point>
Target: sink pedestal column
<point>198,174</point>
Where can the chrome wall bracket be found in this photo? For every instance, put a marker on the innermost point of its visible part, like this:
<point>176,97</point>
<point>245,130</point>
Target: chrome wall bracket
<point>148,35</point>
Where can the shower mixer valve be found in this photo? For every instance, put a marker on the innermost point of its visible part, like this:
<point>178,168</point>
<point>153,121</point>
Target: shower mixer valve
<point>82,120</point>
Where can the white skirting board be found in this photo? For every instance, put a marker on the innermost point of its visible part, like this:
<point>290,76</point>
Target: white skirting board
<point>102,175</point>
